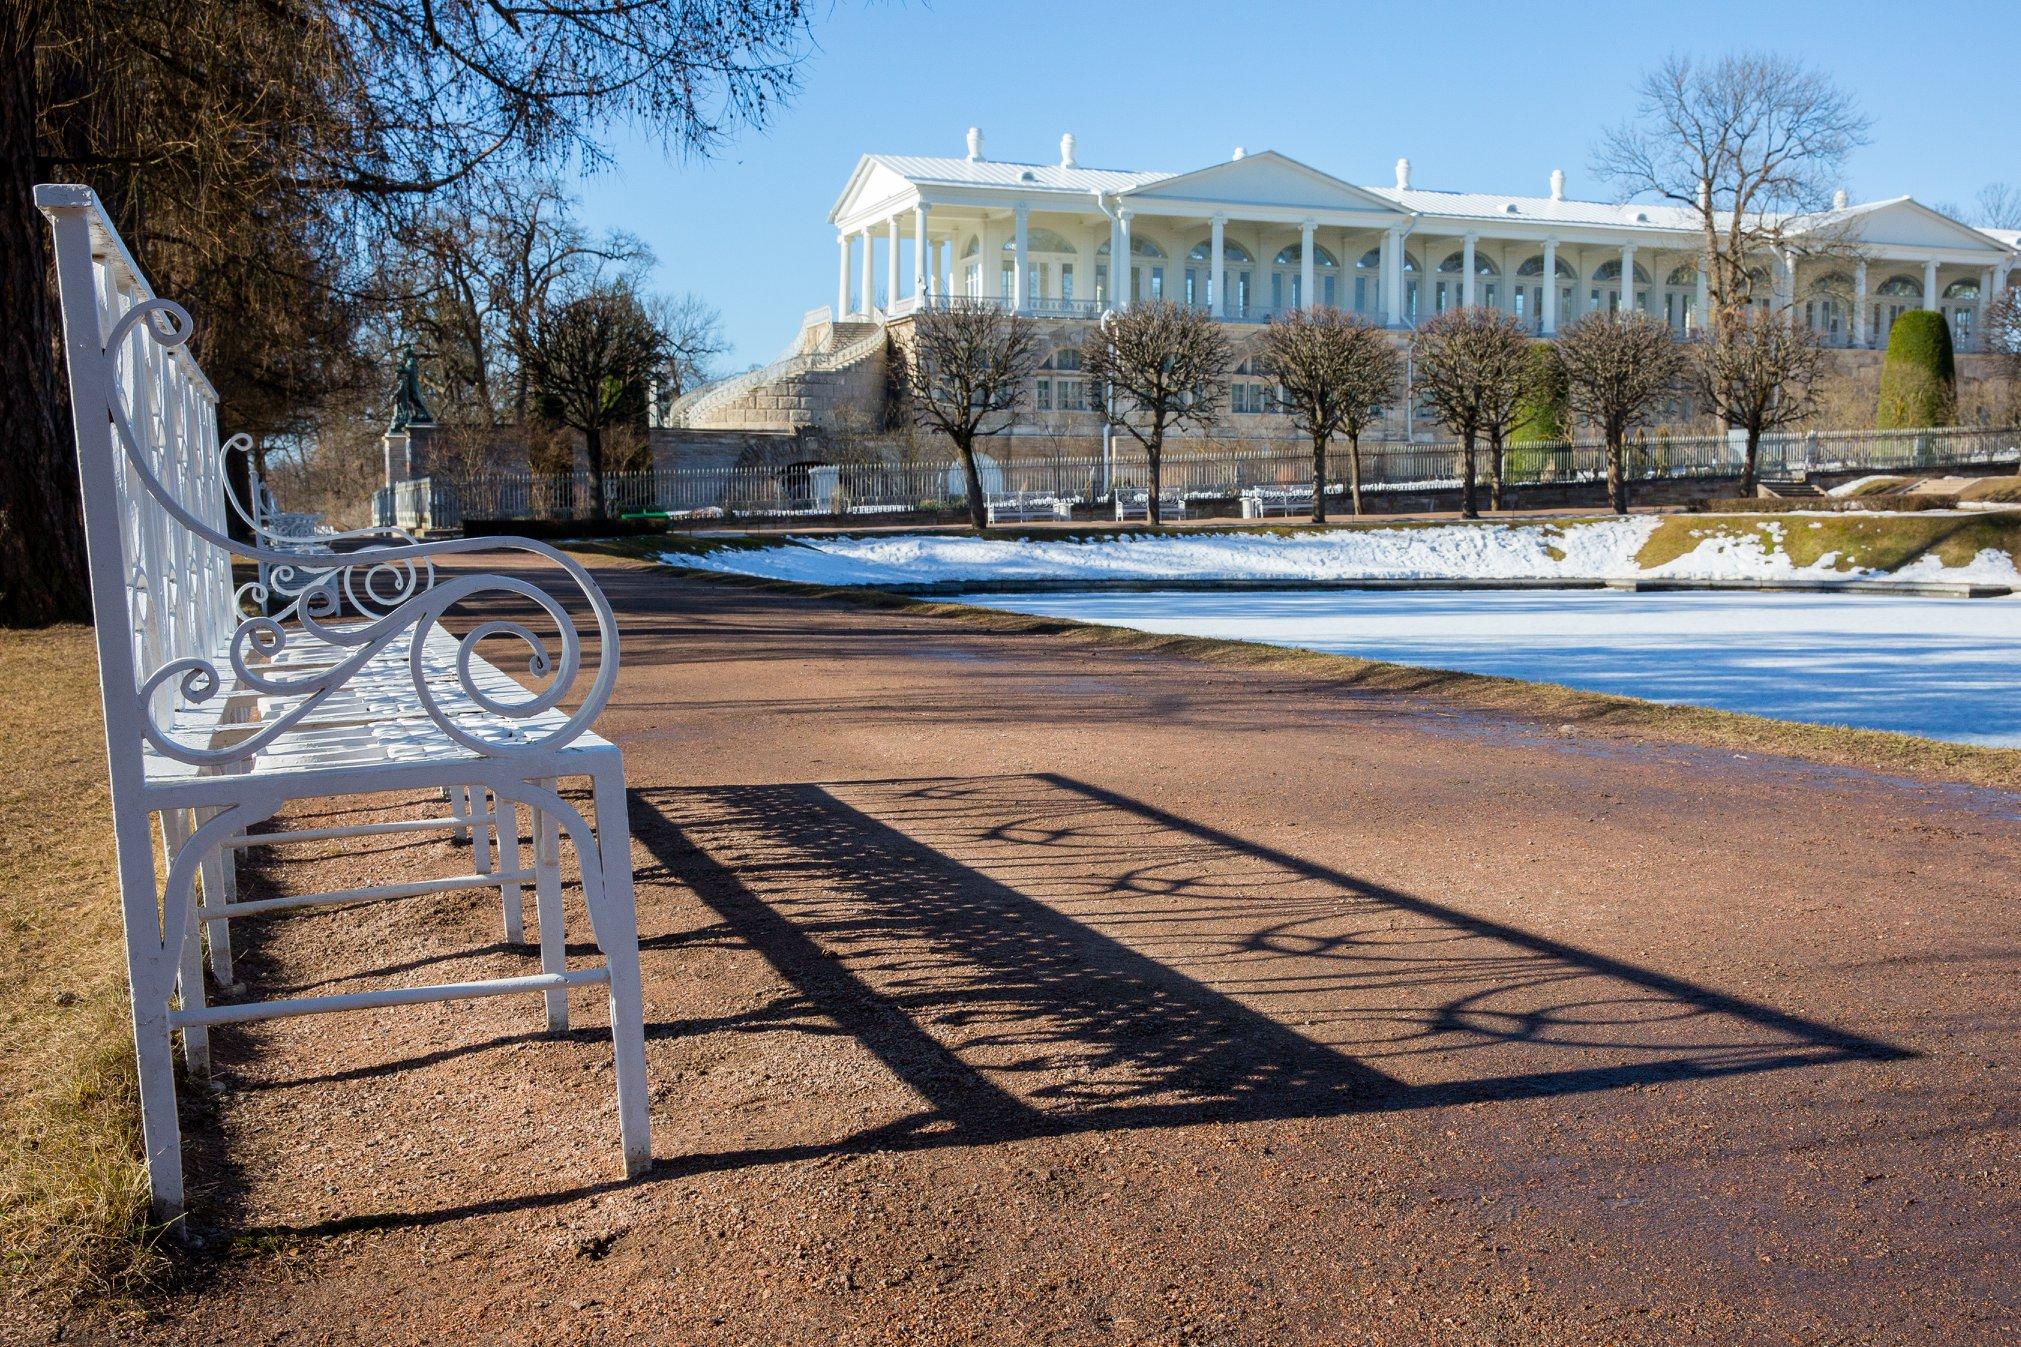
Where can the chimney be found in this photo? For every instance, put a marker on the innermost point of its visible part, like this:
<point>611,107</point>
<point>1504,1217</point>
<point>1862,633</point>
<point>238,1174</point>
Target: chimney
<point>1067,150</point>
<point>1557,184</point>
<point>1239,152</point>
<point>974,145</point>
<point>1402,174</point>
<point>1839,199</point>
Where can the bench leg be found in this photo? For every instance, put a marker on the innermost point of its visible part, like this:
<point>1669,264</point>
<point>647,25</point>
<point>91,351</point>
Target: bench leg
<point>196,1044</point>
<point>482,831</point>
<point>513,905</point>
<point>547,907</point>
<point>217,884</point>
<point>459,808</point>
<point>617,933</point>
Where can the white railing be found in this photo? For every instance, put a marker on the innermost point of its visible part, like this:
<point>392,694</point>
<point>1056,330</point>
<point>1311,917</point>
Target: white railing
<point>688,408</point>
<point>1221,472</point>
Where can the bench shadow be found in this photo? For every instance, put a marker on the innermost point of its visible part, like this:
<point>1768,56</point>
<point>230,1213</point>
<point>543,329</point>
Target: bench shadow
<point>1035,955</point>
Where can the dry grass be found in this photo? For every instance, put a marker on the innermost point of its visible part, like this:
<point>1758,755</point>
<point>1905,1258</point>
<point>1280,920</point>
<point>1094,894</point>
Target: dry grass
<point>1884,543</point>
<point>1547,703</point>
<point>2005,489</point>
<point>73,1191</point>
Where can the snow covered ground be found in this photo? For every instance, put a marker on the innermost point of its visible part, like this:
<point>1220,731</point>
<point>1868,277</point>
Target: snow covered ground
<point>1597,550</point>
<point>1943,668</point>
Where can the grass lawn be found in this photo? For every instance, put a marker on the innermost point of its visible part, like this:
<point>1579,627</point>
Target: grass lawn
<point>73,1191</point>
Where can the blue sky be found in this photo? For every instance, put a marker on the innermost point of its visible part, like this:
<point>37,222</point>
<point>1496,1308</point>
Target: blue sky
<point>1488,97</point>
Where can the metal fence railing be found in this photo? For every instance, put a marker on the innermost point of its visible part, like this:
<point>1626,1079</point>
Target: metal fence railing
<point>1197,473</point>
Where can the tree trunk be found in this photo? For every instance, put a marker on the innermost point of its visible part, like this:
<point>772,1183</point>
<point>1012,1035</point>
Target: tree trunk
<point>592,445</point>
<point>1154,454</point>
<point>1749,460</point>
<point>1354,470</point>
<point>1495,468</point>
<point>978,518</point>
<point>1469,504</point>
<point>1319,479</point>
<point>43,576</point>
<point>1617,481</point>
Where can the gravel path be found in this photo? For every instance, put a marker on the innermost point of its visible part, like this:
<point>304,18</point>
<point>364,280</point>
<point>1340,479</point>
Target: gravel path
<point>1004,994</point>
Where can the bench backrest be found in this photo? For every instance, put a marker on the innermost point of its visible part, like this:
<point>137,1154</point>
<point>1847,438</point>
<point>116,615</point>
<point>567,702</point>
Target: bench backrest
<point>174,633</point>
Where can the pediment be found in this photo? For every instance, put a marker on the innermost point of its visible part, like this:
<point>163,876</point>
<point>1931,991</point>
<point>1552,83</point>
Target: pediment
<point>873,182</point>
<point>1907,223</point>
<point>1264,179</point>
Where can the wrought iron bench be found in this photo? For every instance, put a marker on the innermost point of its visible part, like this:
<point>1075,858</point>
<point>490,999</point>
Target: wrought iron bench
<point>1018,507</point>
<point>1135,503</point>
<point>1260,502</point>
<point>332,675</point>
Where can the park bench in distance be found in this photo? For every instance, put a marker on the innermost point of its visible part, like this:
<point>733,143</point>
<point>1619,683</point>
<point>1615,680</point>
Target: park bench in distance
<point>1135,503</point>
<point>332,675</point>
<point>1019,507</point>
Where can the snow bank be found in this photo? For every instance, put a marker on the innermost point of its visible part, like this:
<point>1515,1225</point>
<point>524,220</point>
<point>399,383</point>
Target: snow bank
<point>1597,550</point>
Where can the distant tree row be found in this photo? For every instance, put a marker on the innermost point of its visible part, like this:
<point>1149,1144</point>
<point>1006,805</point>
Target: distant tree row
<point>1159,367</point>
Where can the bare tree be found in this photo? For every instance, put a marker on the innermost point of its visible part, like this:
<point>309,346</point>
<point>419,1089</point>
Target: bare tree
<point>248,145</point>
<point>2002,338</point>
<point>1165,367</point>
<point>591,361</point>
<point>1997,206</point>
<point>1757,372</point>
<point>1617,366</point>
<point>693,328</point>
<point>1755,144</point>
<point>1336,372</point>
<point>966,376</point>
<point>1472,365</point>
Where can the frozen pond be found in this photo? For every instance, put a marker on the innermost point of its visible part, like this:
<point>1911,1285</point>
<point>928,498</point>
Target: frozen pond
<point>1944,668</point>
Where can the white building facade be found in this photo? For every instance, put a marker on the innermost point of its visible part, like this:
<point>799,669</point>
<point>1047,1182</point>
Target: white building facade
<point>1259,234</point>
<point>1262,233</point>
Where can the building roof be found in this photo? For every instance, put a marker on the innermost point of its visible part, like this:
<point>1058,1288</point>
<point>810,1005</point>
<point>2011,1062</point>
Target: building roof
<point>955,171</point>
<point>1497,206</point>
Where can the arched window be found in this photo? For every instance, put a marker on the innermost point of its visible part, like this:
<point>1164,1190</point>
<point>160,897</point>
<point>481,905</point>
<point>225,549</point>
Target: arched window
<point>1040,241</point>
<point>1321,258</point>
<point>1231,251</point>
<point>1834,285</point>
<point>1067,358</point>
<point>1482,266</point>
<point>972,247</point>
<point>1535,267</point>
<point>1372,260</point>
<point>1611,271</point>
<point>1139,247</point>
<point>1901,287</point>
<point>1686,275</point>
<point>1962,290</point>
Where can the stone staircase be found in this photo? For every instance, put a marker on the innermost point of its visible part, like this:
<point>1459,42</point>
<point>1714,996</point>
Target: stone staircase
<point>831,377</point>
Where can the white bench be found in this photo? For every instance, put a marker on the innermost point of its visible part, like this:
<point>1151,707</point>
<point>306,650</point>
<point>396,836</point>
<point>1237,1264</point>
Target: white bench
<point>1136,504</point>
<point>332,675</point>
<point>1021,506</point>
<point>1260,502</point>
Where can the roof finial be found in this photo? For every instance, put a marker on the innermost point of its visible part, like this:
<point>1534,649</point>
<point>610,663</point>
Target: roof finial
<point>974,144</point>
<point>1067,150</point>
<point>1557,184</point>
<point>1403,175</point>
<point>1839,199</point>
<point>1239,152</point>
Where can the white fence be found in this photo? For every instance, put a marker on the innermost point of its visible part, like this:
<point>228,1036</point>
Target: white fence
<point>1203,475</point>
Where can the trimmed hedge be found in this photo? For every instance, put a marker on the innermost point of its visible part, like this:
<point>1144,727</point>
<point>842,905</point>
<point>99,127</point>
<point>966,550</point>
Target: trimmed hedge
<point>1919,379</point>
<point>1543,413</point>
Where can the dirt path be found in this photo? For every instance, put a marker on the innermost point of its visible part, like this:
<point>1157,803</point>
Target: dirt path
<point>1000,994</point>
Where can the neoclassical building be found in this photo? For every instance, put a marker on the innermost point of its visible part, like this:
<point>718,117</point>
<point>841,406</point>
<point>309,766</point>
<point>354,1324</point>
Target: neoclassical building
<point>1258,234</point>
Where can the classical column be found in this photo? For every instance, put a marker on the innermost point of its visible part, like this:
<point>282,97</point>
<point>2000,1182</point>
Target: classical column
<point>1860,302</point>
<point>891,264</point>
<point>1627,277</point>
<point>1467,291</point>
<point>1392,276</point>
<point>1931,299</point>
<point>1306,299</point>
<point>1215,267</point>
<point>922,254</point>
<point>866,293</point>
<point>1550,309</point>
<point>1120,259</point>
<point>1702,297</point>
<point>1785,281</point>
<point>1021,282</point>
<point>943,268</point>
<point>841,277</point>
